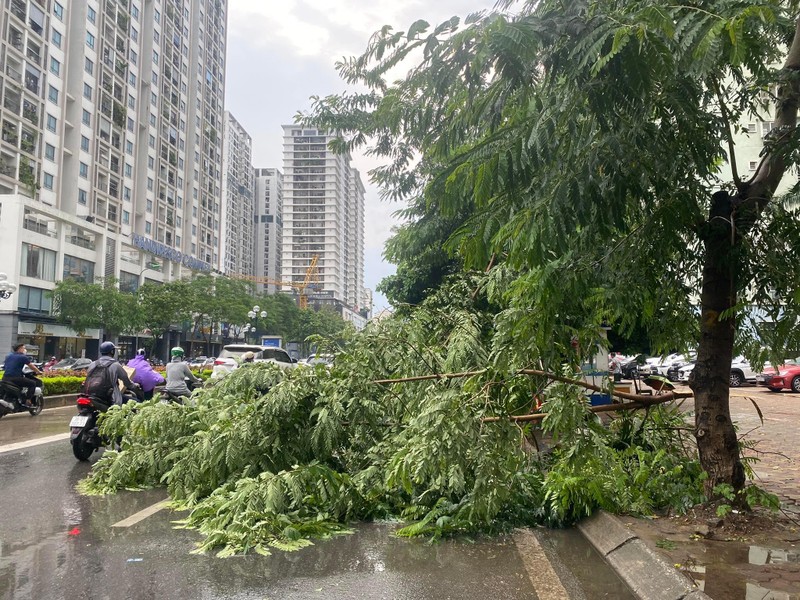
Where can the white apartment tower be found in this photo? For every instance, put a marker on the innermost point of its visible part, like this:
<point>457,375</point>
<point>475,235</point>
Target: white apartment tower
<point>268,221</point>
<point>111,145</point>
<point>237,239</point>
<point>323,216</point>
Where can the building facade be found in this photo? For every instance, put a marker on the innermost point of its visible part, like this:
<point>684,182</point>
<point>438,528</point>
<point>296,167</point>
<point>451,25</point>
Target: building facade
<point>268,219</point>
<point>111,146</point>
<point>323,217</point>
<point>237,235</point>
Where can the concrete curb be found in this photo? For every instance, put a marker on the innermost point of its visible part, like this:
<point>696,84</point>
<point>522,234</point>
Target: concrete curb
<point>646,573</point>
<point>59,401</point>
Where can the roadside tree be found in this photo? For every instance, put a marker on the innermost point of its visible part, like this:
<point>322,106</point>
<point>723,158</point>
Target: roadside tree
<point>582,143</point>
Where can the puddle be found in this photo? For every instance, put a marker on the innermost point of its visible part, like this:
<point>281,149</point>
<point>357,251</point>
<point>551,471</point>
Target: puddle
<point>738,571</point>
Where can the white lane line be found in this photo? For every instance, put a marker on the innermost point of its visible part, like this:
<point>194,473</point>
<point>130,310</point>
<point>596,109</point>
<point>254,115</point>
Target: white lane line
<point>59,437</point>
<point>544,579</point>
<point>142,514</point>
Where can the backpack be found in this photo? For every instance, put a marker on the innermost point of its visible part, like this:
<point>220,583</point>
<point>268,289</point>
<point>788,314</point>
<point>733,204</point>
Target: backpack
<point>100,382</point>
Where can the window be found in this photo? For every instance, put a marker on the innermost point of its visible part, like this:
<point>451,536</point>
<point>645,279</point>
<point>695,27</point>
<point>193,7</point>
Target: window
<point>134,34</point>
<point>130,124</point>
<point>155,56</point>
<point>149,206</point>
<point>92,16</point>
<point>56,38</point>
<point>55,66</point>
<point>51,123</point>
<point>751,128</point>
<point>150,183</point>
<point>86,118</point>
<point>753,165</point>
<point>34,300</point>
<point>128,170</point>
<point>83,170</point>
<point>126,194</point>
<point>84,143</point>
<point>148,227</point>
<point>58,11</point>
<point>132,79</point>
<point>38,262</point>
<point>129,147</point>
<point>52,94</point>
<point>47,181</point>
<point>78,269</point>
<point>50,152</point>
<point>157,19</point>
<point>88,66</point>
<point>134,57</point>
<point>126,217</point>
<point>87,91</point>
<point>82,197</point>
<point>90,40</point>
<point>151,163</point>
<point>152,119</point>
<point>135,12</point>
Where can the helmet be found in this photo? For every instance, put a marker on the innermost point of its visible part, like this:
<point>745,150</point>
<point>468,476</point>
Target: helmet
<point>107,349</point>
<point>176,351</point>
<point>141,352</point>
<point>248,356</point>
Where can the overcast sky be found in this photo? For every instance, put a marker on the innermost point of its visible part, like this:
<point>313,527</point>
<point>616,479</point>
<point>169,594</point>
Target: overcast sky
<point>281,52</point>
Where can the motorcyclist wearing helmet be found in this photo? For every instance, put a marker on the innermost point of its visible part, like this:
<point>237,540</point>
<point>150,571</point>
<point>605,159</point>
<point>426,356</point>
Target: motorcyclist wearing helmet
<point>177,374</point>
<point>115,373</point>
<point>144,374</point>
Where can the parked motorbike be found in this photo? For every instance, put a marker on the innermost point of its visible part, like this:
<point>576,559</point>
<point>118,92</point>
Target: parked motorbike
<point>12,398</point>
<point>84,433</point>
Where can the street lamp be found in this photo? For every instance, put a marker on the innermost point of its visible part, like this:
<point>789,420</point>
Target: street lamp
<point>151,266</point>
<point>254,314</point>
<point>6,287</point>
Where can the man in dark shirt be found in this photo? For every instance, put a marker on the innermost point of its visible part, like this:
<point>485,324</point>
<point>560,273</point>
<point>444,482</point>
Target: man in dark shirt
<point>117,375</point>
<point>12,370</point>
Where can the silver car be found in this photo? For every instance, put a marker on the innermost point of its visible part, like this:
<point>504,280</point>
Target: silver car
<point>231,356</point>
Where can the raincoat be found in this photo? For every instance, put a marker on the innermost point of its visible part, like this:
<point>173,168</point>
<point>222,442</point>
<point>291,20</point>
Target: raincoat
<point>145,376</point>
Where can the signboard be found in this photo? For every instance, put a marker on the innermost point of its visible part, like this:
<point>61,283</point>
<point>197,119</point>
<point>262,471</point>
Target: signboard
<point>271,341</point>
<point>172,254</point>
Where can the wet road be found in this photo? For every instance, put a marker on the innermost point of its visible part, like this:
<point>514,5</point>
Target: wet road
<point>63,545</point>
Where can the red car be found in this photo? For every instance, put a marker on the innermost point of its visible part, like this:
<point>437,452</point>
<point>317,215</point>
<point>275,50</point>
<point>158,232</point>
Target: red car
<point>787,378</point>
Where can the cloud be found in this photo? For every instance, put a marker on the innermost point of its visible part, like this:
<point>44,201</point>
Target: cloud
<point>281,53</point>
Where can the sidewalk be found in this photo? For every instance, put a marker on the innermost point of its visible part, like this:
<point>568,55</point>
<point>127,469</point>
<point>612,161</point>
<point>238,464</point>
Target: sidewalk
<point>746,556</point>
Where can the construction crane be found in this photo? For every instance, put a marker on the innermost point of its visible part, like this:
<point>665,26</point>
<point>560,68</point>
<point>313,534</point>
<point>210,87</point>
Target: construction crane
<point>301,288</point>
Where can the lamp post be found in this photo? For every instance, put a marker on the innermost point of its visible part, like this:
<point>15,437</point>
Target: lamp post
<point>254,314</point>
<point>6,287</point>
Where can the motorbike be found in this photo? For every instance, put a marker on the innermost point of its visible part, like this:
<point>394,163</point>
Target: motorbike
<point>85,435</point>
<point>175,397</point>
<point>12,397</point>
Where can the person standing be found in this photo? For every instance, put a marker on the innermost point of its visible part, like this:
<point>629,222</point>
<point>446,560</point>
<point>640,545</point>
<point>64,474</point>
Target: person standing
<point>615,366</point>
<point>13,371</point>
<point>144,375</point>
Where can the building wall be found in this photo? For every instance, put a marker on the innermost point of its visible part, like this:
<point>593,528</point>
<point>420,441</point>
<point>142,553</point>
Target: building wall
<point>112,117</point>
<point>237,236</point>
<point>268,219</point>
<point>323,215</point>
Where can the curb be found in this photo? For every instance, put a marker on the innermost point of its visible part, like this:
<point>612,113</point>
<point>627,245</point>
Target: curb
<point>646,573</point>
<point>59,401</point>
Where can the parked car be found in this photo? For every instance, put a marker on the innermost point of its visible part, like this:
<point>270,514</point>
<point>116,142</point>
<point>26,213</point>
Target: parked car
<point>741,372</point>
<point>320,359</point>
<point>231,356</point>
<point>785,377</point>
<point>202,362</point>
<point>72,364</point>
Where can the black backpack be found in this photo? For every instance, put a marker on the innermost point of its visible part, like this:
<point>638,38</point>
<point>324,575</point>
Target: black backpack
<point>100,382</point>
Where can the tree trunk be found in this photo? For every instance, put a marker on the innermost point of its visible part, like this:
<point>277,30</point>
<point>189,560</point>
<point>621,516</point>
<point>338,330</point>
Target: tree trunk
<point>710,380</point>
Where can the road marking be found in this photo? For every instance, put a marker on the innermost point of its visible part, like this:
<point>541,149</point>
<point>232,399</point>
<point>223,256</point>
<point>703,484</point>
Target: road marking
<point>59,437</point>
<point>142,514</point>
<point>544,579</point>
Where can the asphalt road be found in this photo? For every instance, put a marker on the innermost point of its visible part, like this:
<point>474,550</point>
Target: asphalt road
<point>55,543</point>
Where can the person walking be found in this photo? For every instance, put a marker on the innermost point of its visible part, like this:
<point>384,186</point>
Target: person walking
<point>144,374</point>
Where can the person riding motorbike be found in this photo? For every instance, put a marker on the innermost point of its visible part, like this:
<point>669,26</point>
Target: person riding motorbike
<point>15,362</point>
<point>177,374</point>
<point>103,377</point>
<point>144,375</point>
<point>49,364</point>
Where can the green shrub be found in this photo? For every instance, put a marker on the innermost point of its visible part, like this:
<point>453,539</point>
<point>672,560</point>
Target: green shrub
<point>62,385</point>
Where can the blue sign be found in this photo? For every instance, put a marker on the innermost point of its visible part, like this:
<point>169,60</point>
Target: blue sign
<point>172,254</point>
<point>272,341</point>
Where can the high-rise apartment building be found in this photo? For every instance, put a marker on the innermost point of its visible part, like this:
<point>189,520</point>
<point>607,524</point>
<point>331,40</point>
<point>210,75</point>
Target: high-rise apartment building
<point>269,227</point>
<point>110,151</point>
<point>237,250</point>
<point>323,216</point>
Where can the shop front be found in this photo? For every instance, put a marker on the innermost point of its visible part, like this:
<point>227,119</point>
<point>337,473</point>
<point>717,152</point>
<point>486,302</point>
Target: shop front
<point>45,340</point>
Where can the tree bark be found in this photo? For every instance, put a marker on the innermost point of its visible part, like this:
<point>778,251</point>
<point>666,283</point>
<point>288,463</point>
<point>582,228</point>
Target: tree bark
<point>731,219</point>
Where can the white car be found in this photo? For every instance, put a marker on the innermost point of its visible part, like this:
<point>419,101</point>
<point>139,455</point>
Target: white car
<point>231,356</point>
<point>741,372</point>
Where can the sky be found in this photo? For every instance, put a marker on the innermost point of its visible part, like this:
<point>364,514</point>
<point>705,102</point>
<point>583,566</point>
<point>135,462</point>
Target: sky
<point>282,52</point>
